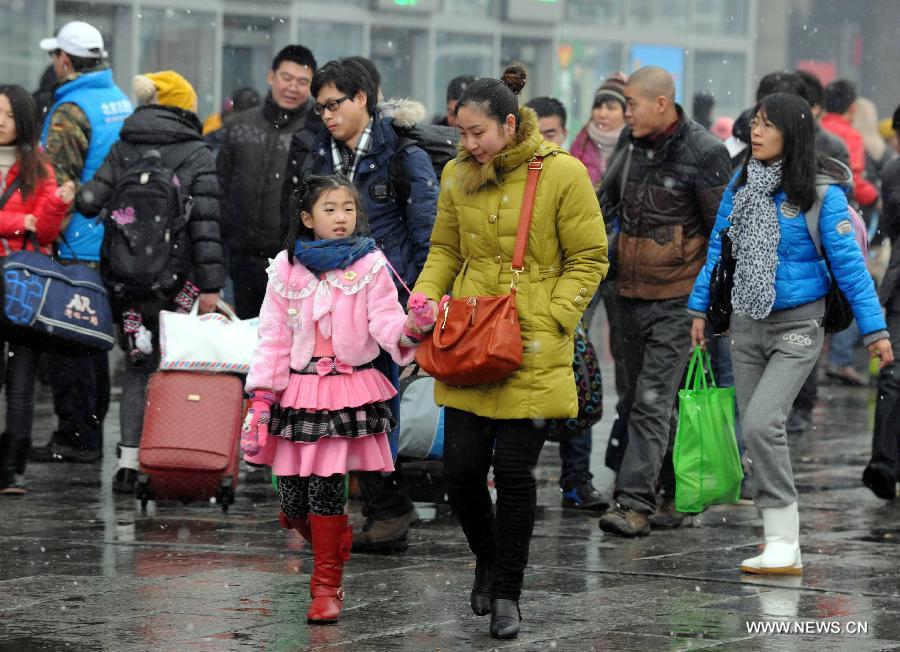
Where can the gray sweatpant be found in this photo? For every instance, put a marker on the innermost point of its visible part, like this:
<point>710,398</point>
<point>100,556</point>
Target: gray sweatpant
<point>771,360</point>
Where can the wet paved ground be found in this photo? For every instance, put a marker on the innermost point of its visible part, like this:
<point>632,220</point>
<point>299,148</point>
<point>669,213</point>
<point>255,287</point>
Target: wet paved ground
<point>82,570</point>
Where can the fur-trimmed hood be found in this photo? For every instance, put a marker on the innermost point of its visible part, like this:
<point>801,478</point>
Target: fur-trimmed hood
<point>406,113</point>
<point>472,176</point>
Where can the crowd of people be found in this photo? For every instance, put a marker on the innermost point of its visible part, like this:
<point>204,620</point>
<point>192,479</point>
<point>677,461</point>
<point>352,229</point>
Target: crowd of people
<point>313,209</point>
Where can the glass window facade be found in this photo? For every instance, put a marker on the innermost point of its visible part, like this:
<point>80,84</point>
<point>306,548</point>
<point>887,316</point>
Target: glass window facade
<point>723,75</point>
<point>182,40</point>
<point>460,54</point>
<point>419,46</point>
<point>594,11</point>
<point>22,25</point>
<point>720,16</point>
<point>537,57</point>
<point>583,67</point>
<point>487,8</point>
<point>250,44</point>
<point>399,55</point>
<point>330,40</point>
<point>666,14</point>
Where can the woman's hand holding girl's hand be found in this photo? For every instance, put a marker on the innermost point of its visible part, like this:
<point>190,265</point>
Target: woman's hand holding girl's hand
<point>410,326</point>
<point>882,349</point>
<point>30,222</point>
<point>66,192</point>
<point>698,332</point>
<point>422,312</point>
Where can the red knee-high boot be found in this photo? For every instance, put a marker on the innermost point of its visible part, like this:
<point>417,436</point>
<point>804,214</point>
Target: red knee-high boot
<point>299,524</point>
<point>332,539</point>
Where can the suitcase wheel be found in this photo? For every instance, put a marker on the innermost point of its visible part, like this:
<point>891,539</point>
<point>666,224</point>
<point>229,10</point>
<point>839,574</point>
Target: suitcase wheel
<point>225,494</point>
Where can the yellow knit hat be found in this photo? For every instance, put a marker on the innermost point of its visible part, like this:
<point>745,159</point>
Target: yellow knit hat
<point>167,88</point>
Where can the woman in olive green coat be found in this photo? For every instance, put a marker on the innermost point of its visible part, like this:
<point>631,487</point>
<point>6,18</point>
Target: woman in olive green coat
<point>502,424</point>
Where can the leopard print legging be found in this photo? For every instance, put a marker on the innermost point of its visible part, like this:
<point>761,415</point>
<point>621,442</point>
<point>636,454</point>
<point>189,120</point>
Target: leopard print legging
<point>312,495</point>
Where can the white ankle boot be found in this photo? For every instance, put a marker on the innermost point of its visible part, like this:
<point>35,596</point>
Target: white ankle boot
<point>781,555</point>
<point>128,457</point>
<point>126,476</point>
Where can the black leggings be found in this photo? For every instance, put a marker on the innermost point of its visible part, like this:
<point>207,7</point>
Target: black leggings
<point>311,495</point>
<point>472,444</point>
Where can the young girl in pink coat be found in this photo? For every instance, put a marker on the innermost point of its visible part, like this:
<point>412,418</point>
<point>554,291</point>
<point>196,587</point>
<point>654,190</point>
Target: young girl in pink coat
<point>319,408</point>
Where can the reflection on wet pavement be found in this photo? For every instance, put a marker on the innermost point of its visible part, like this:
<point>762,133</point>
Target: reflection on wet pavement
<point>81,569</point>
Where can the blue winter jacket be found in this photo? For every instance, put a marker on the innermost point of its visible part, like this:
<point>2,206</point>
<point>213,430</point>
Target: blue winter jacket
<point>802,275</point>
<point>402,232</point>
<point>106,108</point>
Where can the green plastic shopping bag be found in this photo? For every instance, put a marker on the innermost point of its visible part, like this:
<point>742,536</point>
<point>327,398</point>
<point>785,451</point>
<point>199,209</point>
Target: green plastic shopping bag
<point>707,463</point>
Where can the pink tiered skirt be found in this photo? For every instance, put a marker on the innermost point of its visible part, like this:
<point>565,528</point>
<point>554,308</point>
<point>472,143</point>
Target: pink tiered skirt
<point>330,455</point>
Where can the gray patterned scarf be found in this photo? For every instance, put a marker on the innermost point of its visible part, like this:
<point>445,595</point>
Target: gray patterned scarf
<point>755,234</point>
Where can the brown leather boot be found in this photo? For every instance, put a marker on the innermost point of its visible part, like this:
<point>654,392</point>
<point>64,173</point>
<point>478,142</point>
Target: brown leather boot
<point>299,524</point>
<point>332,538</point>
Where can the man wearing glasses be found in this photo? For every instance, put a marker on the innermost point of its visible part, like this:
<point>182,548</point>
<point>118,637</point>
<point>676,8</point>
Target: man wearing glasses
<point>82,124</point>
<point>251,167</point>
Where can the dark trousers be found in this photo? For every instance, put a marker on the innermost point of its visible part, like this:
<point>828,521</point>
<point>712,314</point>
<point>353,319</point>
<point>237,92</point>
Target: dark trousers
<point>81,394</point>
<point>657,345</point>
<point>248,274</point>
<point>19,378</point>
<point>886,434</point>
<point>809,393</point>
<point>616,341</point>
<point>575,454</point>
<point>385,495</point>
<point>473,444</point>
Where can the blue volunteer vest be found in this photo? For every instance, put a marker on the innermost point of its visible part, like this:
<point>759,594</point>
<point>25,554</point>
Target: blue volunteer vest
<point>106,108</point>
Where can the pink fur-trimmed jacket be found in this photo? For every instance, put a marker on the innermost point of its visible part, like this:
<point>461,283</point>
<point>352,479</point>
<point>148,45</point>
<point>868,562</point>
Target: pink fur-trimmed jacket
<point>357,307</point>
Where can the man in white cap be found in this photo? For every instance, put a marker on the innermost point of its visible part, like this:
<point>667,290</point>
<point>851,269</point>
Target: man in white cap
<point>82,124</point>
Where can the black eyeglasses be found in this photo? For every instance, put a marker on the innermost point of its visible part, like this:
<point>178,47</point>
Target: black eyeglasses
<point>54,53</point>
<point>331,105</point>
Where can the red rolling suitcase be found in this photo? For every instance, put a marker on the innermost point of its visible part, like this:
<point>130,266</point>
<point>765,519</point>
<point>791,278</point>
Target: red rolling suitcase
<point>190,443</point>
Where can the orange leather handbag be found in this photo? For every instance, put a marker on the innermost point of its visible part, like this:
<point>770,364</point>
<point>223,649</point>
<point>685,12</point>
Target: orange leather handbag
<point>477,340</point>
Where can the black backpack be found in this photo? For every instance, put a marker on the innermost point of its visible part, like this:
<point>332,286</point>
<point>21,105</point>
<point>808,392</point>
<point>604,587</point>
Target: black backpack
<point>438,141</point>
<point>145,250</point>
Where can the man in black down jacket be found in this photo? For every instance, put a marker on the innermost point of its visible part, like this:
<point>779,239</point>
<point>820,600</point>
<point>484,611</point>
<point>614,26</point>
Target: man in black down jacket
<point>251,167</point>
<point>883,471</point>
<point>167,123</point>
<point>665,184</point>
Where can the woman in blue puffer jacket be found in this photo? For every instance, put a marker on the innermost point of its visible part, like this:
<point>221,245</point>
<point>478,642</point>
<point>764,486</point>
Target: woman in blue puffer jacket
<point>778,299</point>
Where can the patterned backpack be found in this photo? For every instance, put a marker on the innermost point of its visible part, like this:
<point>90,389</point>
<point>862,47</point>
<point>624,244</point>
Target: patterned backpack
<point>145,250</point>
<point>589,384</point>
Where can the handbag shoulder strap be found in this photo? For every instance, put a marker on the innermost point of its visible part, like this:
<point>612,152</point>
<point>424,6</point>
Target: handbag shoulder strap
<point>534,171</point>
<point>10,189</point>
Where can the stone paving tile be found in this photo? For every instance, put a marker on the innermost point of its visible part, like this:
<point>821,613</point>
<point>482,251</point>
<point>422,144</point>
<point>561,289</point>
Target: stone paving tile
<point>82,570</point>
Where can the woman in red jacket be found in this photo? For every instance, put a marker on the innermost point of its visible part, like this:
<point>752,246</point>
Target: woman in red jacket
<point>31,201</point>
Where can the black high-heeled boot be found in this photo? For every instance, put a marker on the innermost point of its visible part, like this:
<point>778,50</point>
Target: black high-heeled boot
<point>480,599</point>
<point>505,618</point>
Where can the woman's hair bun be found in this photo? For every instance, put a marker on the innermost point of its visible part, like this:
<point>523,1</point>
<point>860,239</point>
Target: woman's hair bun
<point>514,76</point>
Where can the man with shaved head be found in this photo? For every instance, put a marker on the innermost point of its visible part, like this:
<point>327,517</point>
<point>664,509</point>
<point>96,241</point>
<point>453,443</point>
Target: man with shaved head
<point>663,186</point>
